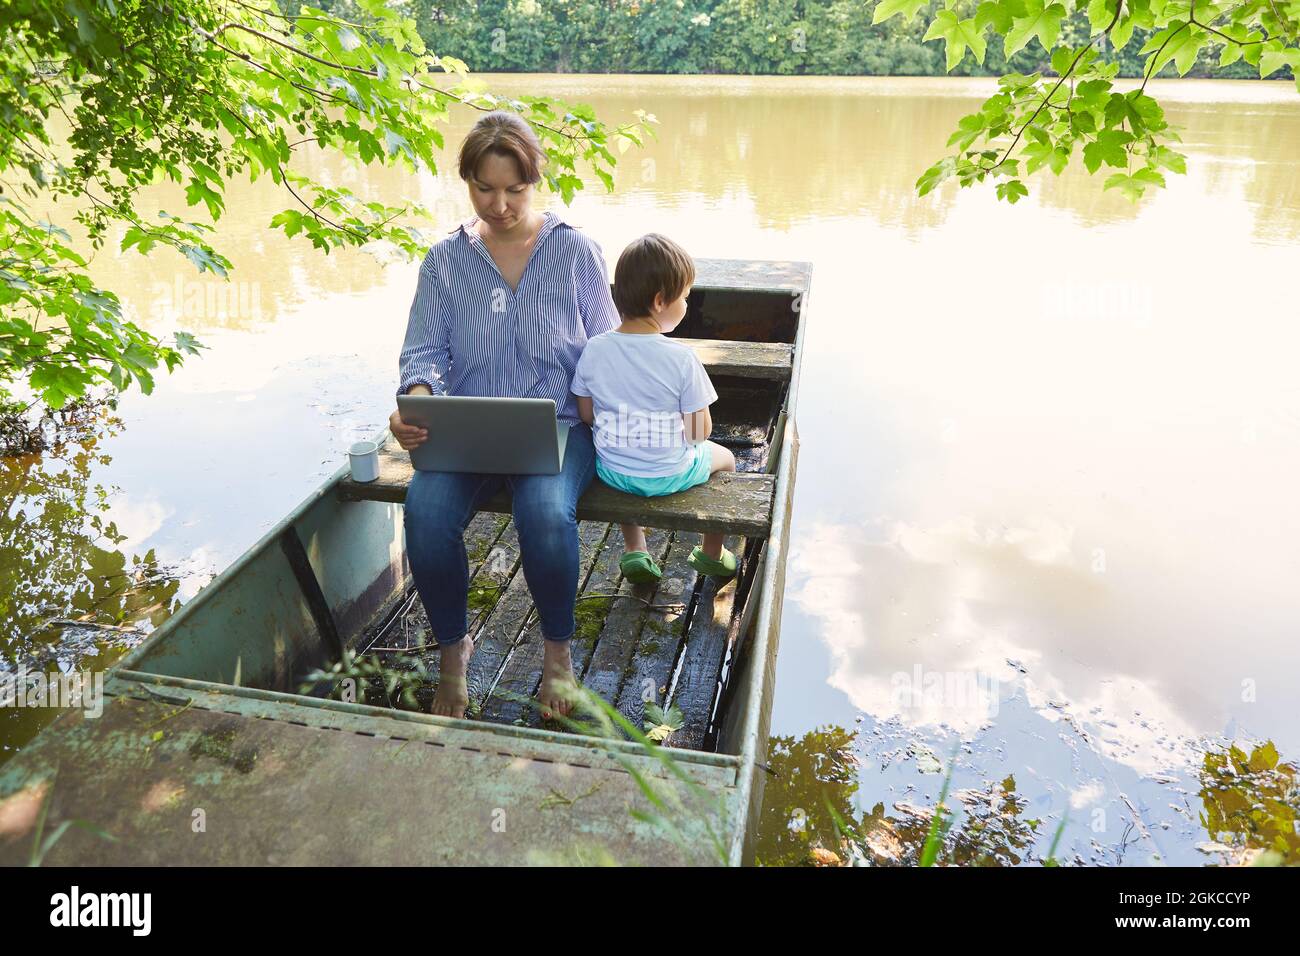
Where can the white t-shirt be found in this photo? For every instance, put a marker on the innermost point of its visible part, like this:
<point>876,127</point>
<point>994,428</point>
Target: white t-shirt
<point>639,386</point>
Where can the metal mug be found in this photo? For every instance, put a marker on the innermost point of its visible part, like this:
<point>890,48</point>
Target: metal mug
<point>364,456</point>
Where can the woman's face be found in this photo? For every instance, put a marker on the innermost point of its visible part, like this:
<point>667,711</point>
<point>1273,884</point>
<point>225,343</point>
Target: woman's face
<point>500,198</point>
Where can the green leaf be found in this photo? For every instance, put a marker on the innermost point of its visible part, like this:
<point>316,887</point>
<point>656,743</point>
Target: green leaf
<point>1133,186</point>
<point>1247,42</point>
<point>1101,13</point>
<point>290,219</point>
<point>1037,155</point>
<point>1136,109</point>
<point>1059,159</point>
<point>1122,33</point>
<point>1270,61</point>
<point>1167,158</point>
<point>1043,22</point>
<point>935,175</point>
<point>958,35</point>
<point>1107,148</point>
<point>1178,42</point>
<point>888,8</point>
<point>658,725</point>
<point>1011,191</point>
<point>968,130</point>
<point>203,259</point>
<point>1092,93</point>
<point>186,342</point>
<point>137,237</point>
<point>999,14</point>
<point>200,191</point>
<point>396,142</point>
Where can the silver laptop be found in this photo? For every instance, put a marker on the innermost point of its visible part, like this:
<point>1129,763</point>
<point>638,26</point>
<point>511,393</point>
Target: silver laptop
<point>499,436</point>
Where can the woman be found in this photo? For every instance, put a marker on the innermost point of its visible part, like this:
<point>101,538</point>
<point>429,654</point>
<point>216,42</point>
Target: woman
<point>503,307</point>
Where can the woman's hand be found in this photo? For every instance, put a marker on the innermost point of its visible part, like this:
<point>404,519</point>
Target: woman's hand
<point>408,436</point>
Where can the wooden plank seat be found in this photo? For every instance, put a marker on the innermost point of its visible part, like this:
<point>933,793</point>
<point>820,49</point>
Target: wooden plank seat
<point>738,503</point>
<point>762,360</point>
<point>735,502</point>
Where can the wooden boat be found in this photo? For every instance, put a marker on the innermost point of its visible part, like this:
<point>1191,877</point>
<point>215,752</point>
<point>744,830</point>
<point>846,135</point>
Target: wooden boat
<point>212,749</point>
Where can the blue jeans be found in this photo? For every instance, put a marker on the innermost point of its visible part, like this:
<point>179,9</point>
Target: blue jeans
<point>439,506</point>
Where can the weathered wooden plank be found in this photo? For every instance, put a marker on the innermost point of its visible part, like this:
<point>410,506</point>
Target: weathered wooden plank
<point>740,503</point>
<point>710,632</point>
<point>746,301</point>
<point>736,435</point>
<point>493,568</point>
<point>752,275</point>
<point>750,459</point>
<point>497,630</point>
<point>661,633</point>
<point>411,630</point>
<point>770,360</point>
<point>289,794</point>
<point>744,411</point>
<point>599,595</point>
<point>617,642</point>
<point>492,551</point>
<point>521,676</point>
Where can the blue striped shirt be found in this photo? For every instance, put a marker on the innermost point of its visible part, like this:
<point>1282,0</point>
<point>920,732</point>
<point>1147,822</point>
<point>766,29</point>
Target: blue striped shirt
<point>469,334</point>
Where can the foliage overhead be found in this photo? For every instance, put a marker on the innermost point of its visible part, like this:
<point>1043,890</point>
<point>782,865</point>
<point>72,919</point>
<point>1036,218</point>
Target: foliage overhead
<point>1058,62</point>
<point>102,99</point>
<point>1045,119</point>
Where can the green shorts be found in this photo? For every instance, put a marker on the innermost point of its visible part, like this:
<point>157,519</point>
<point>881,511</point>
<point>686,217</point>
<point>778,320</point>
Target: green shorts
<point>696,473</point>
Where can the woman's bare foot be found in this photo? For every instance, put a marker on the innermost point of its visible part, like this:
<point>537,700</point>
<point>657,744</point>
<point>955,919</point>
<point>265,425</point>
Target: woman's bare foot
<point>558,685</point>
<point>452,696</point>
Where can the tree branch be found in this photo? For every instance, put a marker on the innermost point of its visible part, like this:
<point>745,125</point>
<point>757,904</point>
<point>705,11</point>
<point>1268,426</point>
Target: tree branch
<point>1064,76</point>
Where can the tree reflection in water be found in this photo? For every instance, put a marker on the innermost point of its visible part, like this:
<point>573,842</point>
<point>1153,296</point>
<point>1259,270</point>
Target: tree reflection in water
<point>69,598</point>
<point>1251,804</point>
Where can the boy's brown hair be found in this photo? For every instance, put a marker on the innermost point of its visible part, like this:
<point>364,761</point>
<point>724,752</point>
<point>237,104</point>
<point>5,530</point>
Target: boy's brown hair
<point>506,134</point>
<point>649,265</point>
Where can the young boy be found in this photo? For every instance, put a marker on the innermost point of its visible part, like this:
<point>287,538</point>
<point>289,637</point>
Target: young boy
<point>647,399</point>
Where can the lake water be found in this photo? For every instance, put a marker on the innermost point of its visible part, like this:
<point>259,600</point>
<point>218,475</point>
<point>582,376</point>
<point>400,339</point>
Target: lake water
<point>1041,520</point>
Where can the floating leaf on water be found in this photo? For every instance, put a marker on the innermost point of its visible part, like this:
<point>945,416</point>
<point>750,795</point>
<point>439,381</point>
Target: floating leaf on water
<point>823,857</point>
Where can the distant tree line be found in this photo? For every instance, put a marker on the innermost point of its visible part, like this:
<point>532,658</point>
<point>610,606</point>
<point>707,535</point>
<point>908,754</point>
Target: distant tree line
<point>782,37</point>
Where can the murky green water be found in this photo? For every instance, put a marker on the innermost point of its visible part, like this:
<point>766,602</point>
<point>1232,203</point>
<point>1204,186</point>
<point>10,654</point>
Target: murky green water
<point>1042,517</point>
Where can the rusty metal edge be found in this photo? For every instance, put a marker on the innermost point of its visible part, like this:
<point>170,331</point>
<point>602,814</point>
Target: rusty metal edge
<point>767,632</point>
<point>360,713</point>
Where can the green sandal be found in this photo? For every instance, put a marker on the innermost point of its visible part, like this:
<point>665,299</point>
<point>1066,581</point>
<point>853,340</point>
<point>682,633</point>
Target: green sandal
<point>639,568</point>
<point>723,568</point>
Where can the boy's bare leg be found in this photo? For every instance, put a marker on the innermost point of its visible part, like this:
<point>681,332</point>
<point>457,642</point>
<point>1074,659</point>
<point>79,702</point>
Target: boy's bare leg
<point>713,546</point>
<point>633,538</point>
<point>723,460</point>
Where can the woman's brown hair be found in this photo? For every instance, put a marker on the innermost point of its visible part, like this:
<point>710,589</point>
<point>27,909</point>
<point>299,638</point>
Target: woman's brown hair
<point>649,265</point>
<point>506,134</point>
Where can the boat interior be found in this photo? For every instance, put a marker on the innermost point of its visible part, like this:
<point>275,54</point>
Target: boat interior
<point>336,596</point>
